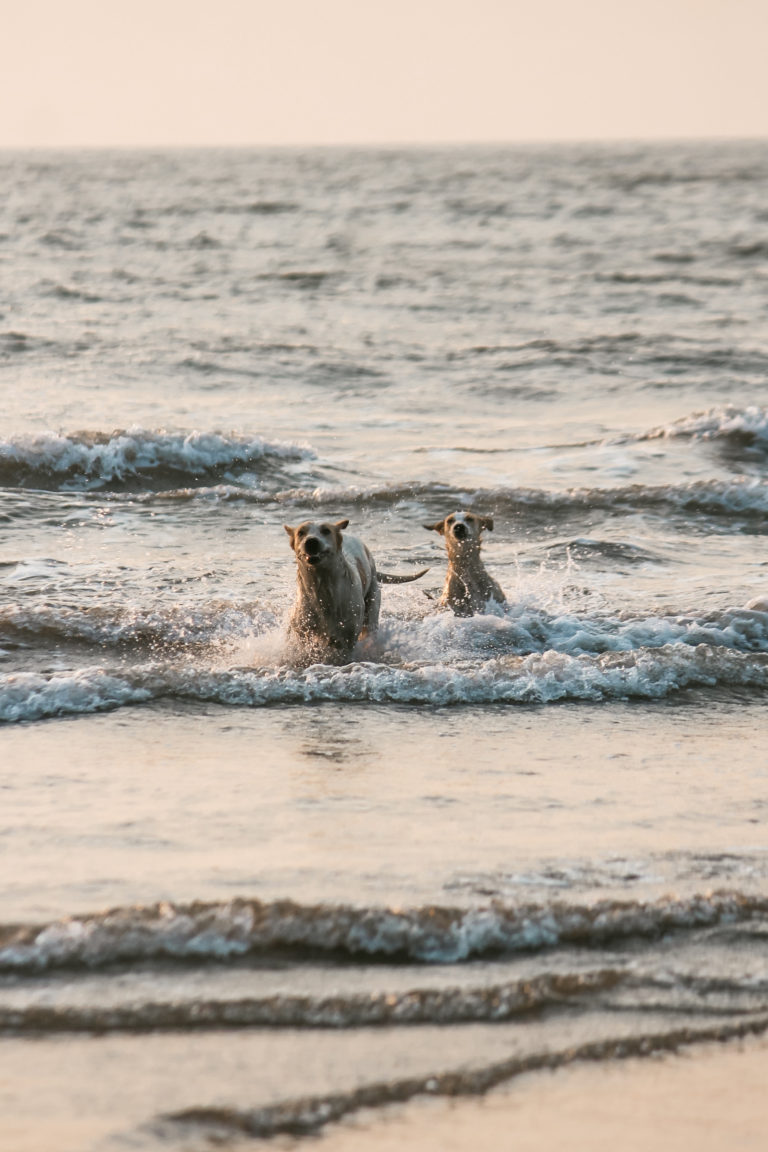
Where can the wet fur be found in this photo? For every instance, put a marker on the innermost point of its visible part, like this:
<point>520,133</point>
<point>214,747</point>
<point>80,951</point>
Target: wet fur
<point>337,592</point>
<point>468,586</point>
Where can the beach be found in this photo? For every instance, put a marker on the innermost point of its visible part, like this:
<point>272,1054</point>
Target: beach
<point>710,1097</point>
<point>496,880</point>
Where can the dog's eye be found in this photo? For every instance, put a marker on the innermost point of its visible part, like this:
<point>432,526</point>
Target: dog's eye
<point>325,530</point>
<point>301,532</point>
<point>450,519</point>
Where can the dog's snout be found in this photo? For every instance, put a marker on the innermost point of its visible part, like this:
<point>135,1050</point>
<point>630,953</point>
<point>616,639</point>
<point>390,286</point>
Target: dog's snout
<point>460,530</point>
<point>312,546</point>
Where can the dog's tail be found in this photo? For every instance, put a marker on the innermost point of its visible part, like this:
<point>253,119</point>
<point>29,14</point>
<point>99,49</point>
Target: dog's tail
<point>388,578</point>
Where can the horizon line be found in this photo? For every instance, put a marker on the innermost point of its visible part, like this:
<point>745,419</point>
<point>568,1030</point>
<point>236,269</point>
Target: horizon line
<point>287,145</point>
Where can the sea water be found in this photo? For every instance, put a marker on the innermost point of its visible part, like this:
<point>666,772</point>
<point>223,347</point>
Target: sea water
<point>240,897</point>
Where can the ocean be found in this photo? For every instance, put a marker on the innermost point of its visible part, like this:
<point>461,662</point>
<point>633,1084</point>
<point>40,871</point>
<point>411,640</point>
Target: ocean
<point>241,898</point>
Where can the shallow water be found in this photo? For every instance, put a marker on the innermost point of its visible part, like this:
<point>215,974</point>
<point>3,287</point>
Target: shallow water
<point>541,827</point>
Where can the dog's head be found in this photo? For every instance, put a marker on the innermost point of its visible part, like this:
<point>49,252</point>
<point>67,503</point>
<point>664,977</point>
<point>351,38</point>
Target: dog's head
<point>461,530</point>
<point>315,544</point>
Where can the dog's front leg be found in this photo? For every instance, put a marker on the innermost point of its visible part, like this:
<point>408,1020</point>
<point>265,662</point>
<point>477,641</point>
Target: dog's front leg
<point>372,604</point>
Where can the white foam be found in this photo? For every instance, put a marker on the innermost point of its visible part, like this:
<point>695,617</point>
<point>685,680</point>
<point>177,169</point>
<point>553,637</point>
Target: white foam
<point>32,696</point>
<point>540,677</point>
<point>522,654</point>
<point>526,628</point>
<point>98,458</point>
<point>750,423</point>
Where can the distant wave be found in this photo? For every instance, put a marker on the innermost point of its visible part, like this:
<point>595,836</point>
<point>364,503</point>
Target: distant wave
<point>14,343</point>
<point>160,465</point>
<point>431,934</point>
<point>134,457</point>
<point>666,277</point>
<point>739,425</point>
<point>674,356</point>
<point>268,207</point>
<point>147,218</point>
<point>748,497</point>
<point>68,292</point>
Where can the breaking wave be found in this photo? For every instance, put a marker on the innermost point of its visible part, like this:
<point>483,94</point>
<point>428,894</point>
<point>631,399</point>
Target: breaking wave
<point>134,458</point>
<point>737,425</point>
<point>439,637</point>
<point>538,678</point>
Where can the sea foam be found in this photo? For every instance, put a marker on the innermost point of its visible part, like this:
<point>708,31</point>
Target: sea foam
<point>90,460</point>
<point>728,422</point>
<point>540,677</point>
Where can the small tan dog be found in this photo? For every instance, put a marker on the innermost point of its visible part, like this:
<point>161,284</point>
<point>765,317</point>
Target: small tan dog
<point>468,587</point>
<point>337,591</point>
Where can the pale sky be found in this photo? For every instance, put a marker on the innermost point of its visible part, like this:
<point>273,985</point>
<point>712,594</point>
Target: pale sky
<point>181,72</point>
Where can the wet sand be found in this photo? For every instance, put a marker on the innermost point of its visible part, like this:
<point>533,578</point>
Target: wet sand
<point>355,804</point>
<point>100,1094</point>
<point>709,1098</point>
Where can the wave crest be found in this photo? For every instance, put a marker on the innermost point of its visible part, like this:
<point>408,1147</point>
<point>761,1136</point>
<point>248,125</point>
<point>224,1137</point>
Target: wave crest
<point>538,678</point>
<point>134,457</point>
<point>737,425</point>
<point>720,498</point>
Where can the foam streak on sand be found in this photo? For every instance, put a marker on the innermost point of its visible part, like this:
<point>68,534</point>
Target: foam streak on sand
<point>385,1009</point>
<point>300,1117</point>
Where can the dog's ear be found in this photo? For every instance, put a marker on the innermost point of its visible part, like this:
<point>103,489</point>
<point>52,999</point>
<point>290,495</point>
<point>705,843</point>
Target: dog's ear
<point>438,527</point>
<point>292,534</point>
<point>338,528</point>
<point>487,522</point>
